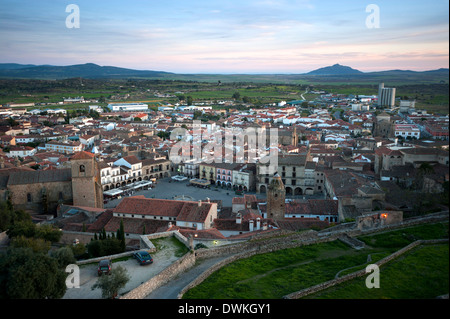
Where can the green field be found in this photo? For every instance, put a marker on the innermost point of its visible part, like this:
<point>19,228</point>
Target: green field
<point>273,275</point>
<point>420,274</point>
<point>432,95</point>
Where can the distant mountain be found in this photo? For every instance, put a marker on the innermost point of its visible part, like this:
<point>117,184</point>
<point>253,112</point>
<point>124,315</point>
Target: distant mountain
<point>336,69</point>
<point>88,70</point>
<point>14,66</point>
<point>334,73</point>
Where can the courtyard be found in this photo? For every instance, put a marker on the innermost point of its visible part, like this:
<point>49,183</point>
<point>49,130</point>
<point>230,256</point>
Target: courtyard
<point>167,188</point>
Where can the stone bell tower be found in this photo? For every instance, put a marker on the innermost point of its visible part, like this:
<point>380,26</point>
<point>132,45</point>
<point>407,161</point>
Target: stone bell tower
<point>86,188</point>
<point>276,199</point>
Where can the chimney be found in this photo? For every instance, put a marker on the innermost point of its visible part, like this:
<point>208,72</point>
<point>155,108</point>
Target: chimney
<point>265,226</point>
<point>199,203</point>
<point>238,218</point>
<point>251,225</point>
<point>207,200</point>
<point>258,223</point>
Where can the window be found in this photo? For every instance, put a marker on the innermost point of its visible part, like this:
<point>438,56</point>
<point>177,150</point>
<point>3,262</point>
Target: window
<point>61,197</point>
<point>82,169</point>
<point>29,198</point>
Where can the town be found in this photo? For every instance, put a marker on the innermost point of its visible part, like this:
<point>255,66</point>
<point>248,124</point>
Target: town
<point>340,158</point>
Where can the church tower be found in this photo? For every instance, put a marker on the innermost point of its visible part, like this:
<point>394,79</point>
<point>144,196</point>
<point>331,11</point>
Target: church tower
<point>86,188</point>
<point>276,199</point>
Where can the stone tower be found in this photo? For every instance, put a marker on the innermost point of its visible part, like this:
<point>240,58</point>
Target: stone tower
<point>86,188</point>
<point>276,199</point>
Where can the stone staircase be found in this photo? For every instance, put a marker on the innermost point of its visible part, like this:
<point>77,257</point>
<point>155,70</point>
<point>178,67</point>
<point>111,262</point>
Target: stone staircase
<point>352,242</point>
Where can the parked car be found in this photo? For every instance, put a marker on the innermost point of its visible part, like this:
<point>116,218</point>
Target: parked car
<point>143,257</point>
<point>104,267</point>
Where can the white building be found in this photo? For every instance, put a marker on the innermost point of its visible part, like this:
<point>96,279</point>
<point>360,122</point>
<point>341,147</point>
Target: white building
<point>21,151</point>
<point>66,148</point>
<point>407,130</point>
<point>128,107</point>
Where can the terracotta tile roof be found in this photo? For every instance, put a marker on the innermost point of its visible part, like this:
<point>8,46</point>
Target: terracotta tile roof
<point>132,159</point>
<point>182,210</point>
<point>149,206</point>
<point>135,226</point>
<point>295,224</point>
<point>101,221</point>
<point>312,206</point>
<point>193,212</point>
<point>82,155</point>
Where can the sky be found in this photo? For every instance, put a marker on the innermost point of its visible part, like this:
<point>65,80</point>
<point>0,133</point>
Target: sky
<point>228,36</point>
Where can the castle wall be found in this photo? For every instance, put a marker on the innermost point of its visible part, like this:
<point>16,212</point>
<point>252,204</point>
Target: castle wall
<point>30,196</point>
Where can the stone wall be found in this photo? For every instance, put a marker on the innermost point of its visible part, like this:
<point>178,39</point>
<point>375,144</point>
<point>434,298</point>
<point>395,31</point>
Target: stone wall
<point>249,249</point>
<point>20,198</point>
<point>111,257</point>
<point>283,241</point>
<point>182,264</point>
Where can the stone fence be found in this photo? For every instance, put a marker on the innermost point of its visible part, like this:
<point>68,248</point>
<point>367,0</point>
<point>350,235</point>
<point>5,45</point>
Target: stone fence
<point>325,285</point>
<point>247,249</point>
<point>182,264</point>
<point>251,248</point>
<point>111,257</point>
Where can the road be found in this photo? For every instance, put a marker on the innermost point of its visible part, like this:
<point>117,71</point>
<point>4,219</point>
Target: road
<point>173,288</point>
<point>303,98</point>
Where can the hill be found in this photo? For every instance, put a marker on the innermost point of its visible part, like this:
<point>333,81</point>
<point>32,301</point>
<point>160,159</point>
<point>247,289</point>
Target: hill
<point>335,74</point>
<point>88,70</point>
<point>336,69</point>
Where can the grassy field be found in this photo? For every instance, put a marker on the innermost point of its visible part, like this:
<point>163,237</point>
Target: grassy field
<point>420,274</point>
<point>432,96</point>
<point>273,275</point>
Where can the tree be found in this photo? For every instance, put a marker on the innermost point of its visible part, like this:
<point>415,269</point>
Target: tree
<point>236,96</point>
<point>64,256</point>
<point>246,99</point>
<point>9,216</point>
<point>110,285</point>
<point>79,250</point>
<point>121,236</point>
<point>48,232</point>
<point>38,245</point>
<point>190,100</point>
<point>28,275</point>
